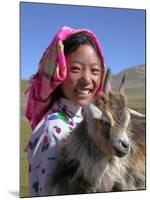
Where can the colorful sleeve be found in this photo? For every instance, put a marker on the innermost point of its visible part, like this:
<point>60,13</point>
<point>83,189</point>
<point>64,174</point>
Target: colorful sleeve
<point>41,153</point>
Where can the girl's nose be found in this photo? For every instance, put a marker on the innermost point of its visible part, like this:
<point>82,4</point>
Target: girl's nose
<point>86,77</point>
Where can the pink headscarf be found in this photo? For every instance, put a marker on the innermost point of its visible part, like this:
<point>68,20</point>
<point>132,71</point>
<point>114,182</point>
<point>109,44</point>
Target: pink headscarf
<point>51,73</point>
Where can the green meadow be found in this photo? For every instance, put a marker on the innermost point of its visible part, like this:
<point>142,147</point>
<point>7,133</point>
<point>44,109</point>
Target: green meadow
<point>136,98</point>
<point>25,132</point>
<point>24,137</point>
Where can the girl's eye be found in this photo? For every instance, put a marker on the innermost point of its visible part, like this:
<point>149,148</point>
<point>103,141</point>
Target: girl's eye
<point>75,69</point>
<point>95,71</point>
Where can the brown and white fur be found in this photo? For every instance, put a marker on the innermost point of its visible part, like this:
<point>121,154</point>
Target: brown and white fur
<point>106,152</point>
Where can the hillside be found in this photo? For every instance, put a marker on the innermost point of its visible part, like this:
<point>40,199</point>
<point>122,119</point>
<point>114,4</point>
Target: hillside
<point>134,86</point>
<point>135,77</point>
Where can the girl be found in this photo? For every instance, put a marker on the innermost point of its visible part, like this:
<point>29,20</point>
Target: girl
<point>70,74</point>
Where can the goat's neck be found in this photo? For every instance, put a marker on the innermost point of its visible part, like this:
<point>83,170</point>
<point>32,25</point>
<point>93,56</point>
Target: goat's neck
<point>81,148</point>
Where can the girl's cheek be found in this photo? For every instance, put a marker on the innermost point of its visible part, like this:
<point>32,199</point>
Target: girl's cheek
<point>97,80</point>
<point>70,81</point>
<point>73,77</point>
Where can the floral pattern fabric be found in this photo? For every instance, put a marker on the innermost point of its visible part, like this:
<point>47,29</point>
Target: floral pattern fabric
<point>43,145</point>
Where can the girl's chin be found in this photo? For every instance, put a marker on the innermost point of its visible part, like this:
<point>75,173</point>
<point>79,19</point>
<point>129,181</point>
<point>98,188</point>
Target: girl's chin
<point>82,102</point>
<point>82,99</point>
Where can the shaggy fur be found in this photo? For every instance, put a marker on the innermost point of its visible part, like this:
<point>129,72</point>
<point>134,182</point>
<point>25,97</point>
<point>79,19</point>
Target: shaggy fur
<point>88,161</point>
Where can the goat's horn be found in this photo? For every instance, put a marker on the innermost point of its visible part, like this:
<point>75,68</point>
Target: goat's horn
<point>121,88</point>
<point>106,81</point>
<point>133,112</point>
<point>109,115</point>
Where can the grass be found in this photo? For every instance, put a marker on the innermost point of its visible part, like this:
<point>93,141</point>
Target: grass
<point>24,85</point>
<point>136,98</point>
<point>24,137</point>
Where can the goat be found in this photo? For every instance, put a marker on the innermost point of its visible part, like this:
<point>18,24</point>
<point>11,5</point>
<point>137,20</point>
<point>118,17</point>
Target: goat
<point>106,152</point>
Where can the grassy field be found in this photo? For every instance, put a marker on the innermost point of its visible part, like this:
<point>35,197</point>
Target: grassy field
<point>136,101</point>
<point>25,132</point>
<point>24,137</point>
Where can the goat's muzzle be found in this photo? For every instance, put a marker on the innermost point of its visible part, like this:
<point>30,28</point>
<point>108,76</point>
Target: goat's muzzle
<point>121,147</point>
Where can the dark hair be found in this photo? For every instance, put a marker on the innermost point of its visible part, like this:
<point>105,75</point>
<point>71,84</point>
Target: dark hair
<point>72,43</point>
<point>57,94</point>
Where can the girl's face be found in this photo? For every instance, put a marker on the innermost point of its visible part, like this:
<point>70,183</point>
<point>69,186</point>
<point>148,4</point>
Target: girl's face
<point>83,75</point>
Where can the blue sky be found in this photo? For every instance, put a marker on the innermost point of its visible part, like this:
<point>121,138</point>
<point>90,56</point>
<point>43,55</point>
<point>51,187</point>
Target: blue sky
<point>121,32</point>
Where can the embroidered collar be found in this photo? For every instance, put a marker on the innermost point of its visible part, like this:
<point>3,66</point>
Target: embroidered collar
<point>67,106</point>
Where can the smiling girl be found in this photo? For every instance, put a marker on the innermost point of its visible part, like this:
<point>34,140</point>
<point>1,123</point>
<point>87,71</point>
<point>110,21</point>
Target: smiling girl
<point>70,75</point>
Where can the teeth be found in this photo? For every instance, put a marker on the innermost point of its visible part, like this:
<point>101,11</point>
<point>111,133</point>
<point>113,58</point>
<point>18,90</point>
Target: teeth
<point>83,92</point>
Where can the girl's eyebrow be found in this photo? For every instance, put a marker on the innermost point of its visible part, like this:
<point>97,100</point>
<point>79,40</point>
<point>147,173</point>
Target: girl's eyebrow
<point>79,62</point>
<point>93,64</point>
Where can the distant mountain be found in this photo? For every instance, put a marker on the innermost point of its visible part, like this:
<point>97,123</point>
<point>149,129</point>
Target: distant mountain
<point>134,86</point>
<point>135,77</point>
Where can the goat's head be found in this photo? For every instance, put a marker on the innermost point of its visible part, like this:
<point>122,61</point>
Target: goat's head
<point>108,120</point>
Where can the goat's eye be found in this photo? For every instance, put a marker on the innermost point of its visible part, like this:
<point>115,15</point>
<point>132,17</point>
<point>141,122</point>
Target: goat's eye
<point>105,128</point>
<point>106,124</point>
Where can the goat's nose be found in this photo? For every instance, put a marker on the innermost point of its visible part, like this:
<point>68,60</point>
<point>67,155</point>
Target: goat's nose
<point>124,144</point>
<point>121,147</point>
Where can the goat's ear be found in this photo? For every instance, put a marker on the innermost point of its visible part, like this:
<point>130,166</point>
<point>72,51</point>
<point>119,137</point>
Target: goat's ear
<point>133,112</point>
<point>93,112</point>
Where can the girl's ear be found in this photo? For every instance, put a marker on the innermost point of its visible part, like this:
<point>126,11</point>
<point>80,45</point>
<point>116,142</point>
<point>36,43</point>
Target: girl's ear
<point>92,112</point>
